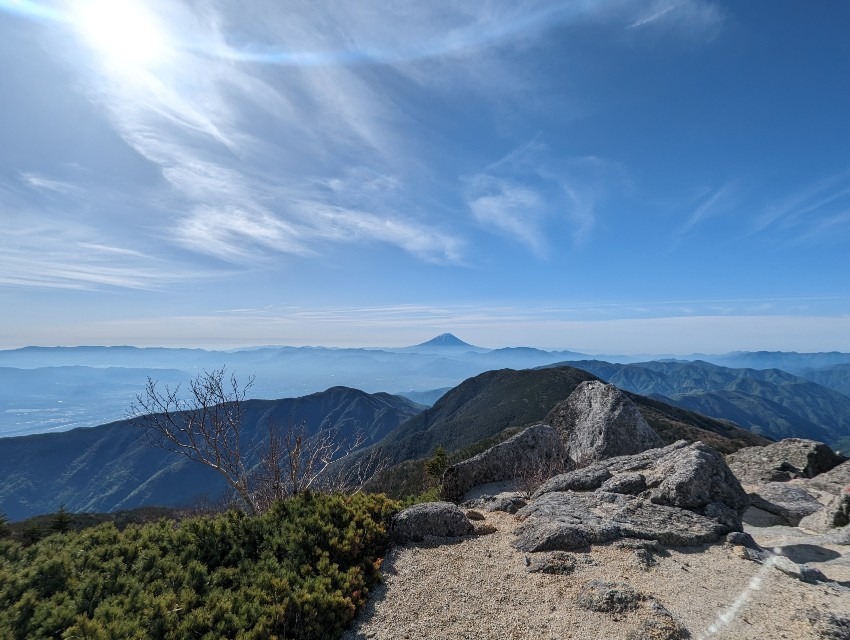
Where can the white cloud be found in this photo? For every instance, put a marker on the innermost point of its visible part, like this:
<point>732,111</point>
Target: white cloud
<point>525,194</point>
<point>46,255</point>
<point>686,17</point>
<point>41,182</point>
<point>712,204</point>
<point>815,211</point>
<point>514,210</point>
<point>275,132</point>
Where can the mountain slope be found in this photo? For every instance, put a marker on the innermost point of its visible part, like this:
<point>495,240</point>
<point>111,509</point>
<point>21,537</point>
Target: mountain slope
<point>483,406</point>
<point>790,361</point>
<point>113,467</point>
<point>445,340</point>
<point>769,402</point>
<point>836,377</point>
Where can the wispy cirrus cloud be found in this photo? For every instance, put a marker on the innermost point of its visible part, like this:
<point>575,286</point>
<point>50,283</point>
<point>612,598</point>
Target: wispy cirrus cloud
<point>821,209</point>
<point>44,183</point>
<point>687,17</point>
<point>301,130</point>
<point>710,204</point>
<point>512,209</point>
<point>45,255</point>
<point>525,194</point>
<point>245,192</point>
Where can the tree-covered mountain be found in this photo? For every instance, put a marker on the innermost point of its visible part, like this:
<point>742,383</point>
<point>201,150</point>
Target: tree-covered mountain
<point>790,361</point>
<point>768,402</point>
<point>836,377</point>
<point>57,388</point>
<point>483,406</point>
<point>113,466</point>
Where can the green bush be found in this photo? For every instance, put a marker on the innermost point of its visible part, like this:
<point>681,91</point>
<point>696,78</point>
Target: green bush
<point>301,570</point>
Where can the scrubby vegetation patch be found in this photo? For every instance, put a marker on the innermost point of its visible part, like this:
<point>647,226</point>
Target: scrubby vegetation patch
<point>300,570</point>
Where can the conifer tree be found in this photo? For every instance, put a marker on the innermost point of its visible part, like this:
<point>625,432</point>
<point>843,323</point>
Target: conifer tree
<point>62,521</point>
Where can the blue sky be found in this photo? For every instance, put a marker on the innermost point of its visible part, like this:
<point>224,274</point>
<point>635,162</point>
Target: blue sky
<point>663,176</point>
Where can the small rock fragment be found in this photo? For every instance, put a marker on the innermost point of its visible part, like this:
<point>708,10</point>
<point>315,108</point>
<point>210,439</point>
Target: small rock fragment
<point>555,562</point>
<point>609,597</point>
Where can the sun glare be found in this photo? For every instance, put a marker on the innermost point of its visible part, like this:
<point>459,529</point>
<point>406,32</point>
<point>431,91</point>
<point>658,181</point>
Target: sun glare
<point>125,32</point>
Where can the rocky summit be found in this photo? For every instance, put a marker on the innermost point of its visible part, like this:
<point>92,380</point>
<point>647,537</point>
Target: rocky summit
<point>784,460</point>
<point>528,453</point>
<point>679,495</point>
<point>598,421</point>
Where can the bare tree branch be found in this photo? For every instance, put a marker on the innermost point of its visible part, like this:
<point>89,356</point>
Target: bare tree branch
<point>204,425</point>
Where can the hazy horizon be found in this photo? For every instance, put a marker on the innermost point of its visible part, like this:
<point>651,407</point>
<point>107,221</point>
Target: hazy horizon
<point>248,347</point>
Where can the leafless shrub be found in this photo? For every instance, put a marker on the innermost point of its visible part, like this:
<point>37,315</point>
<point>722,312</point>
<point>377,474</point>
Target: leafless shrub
<point>206,426</point>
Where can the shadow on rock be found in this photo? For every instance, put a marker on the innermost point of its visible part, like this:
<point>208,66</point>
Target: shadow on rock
<point>805,553</point>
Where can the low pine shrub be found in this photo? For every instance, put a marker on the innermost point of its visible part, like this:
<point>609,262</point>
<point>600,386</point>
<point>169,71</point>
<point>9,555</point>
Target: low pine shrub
<point>300,570</point>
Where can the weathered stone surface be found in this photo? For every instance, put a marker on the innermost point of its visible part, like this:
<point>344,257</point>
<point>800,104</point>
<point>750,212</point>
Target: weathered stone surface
<point>836,513</point>
<point>593,476</point>
<point>471,514</point>
<point>691,498</point>
<point>509,502</point>
<point>586,479</point>
<point>829,626</point>
<point>555,562</point>
<point>526,454</point>
<point>835,481</point>
<point>440,519</point>
<point>694,477</point>
<point>598,421</point>
<point>741,539</point>
<point>608,597</point>
<point>782,461</point>
<point>569,521</point>
<point>790,503</point>
<point>659,625</point>
<point>629,483</point>
<point>801,572</point>
<point>645,551</point>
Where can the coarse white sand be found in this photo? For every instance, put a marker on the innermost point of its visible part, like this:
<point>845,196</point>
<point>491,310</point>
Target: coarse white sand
<point>479,587</point>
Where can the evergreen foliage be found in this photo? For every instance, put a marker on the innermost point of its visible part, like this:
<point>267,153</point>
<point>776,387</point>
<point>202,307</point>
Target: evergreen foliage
<point>62,522</point>
<point>300,570</point>
<point>436,466</point>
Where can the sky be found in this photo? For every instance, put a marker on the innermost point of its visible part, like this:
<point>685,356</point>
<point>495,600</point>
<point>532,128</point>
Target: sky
<point>622,176</point>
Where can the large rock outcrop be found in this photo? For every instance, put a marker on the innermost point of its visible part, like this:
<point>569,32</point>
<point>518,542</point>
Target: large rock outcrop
<point>834,515</point>
<point>835,481</point>
<point>782,461</point>
<point>527,454</point>
<point>599,421</point>
<point>679,495</point>
<point>430,519</point>
<point>790,503</point>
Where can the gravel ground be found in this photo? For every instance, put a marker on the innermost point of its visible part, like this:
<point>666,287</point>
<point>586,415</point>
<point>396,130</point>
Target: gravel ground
<point>479,587</point>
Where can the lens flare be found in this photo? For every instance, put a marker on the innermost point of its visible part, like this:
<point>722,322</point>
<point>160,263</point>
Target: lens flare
<point>125,32</point>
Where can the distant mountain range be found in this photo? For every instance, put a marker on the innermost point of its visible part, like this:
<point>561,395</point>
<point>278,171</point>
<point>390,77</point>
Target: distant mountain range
<point>57,388</point>
<point>112,467</point>
<point>769,402</point>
